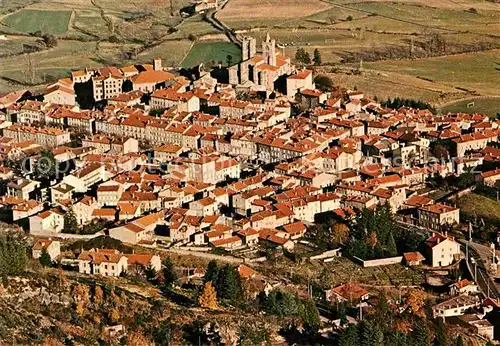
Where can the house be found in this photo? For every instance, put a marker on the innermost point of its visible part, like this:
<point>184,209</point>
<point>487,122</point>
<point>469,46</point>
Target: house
<point>23,188</point>
<point>82,179</point>
<point>348,292</point>
<point>60,192</point>
<point>463,287</point>
<point>413,258</point>
<point>295,230</point>
<point>47,222</point>
<point>442,250</point>
<point>138,231</point>
<point>489,178</point>
<point>167,152</point>
<point>52,247</point>
<point>106,214</point>
<point>84,208</point>
<point>139,262</point>
<point>299,81</point>
<point>102,262</point>
<point>60,94</point>
<point>435,216</point>
<point>227,243</point>
<point>455,306</point>
<point>480,324</point>
<point>249,236</point>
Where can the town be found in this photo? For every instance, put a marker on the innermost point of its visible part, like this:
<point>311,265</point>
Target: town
<point>271,167</point>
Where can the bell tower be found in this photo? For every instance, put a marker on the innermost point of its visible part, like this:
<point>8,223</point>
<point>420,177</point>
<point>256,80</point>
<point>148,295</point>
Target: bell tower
<point>269,51</point>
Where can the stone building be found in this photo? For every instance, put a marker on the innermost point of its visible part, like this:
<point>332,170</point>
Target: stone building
<point>262,69</point>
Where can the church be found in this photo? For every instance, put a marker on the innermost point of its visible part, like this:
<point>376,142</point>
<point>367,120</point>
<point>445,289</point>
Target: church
<point>262,69</point>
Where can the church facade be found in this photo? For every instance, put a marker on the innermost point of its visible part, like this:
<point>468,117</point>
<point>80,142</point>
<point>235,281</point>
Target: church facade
<point>262,69</point>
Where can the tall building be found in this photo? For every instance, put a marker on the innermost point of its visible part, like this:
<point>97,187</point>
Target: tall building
<point>263,69</point>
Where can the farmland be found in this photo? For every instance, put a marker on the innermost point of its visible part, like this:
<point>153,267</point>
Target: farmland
<point>47,22</point>
<point>393,39</point>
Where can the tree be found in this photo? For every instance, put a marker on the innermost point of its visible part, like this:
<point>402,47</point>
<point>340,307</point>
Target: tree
<point>45,259</point>
<point>46,165</point>
<point>136,338</point>
<point>307,58</point>
<point>70,222</point>
<point>229,60</point>
<point>302,56</point>
<point>420,333</point>
<point>151,273</point>
<point>340,233</point>
<point>460,341</point>
<point>228,284</point>
<point>163,333</point>
<point>208,298</point>
<point>349,336</point>
<point>465,179</point>
<point>169,273</point>
<point>323,83</point>
<point>416,301</point>
<point>441,336</point>
<point>317,57</point>
<point>310,314</point>
<point>391,246</point>
<point>212,272</point>
<point>13,258</point>
<point>49,40</point>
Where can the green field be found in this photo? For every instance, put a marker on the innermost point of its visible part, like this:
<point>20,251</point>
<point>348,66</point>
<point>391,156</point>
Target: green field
<point>205,52</point>
<point>48,22</point>
<point>486,106</point>
<point>475,205</point>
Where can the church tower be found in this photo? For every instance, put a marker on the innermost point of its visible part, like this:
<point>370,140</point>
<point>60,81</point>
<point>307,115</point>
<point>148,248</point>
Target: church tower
<point>248,46</point>
<point>269,51</point>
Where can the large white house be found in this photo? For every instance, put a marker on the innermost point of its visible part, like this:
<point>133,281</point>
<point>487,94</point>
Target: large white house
<point>442,250</point>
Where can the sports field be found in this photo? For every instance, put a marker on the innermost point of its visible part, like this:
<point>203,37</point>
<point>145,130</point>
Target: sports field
<point>205,52</point>
<point>488,106</point>
<point>47,22</point>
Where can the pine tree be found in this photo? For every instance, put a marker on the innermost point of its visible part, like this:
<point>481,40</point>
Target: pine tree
<point>441,336</point>
<point>317,57</point>
<point>45,259</point>
<point>367,333</point>
<point>420,333</point>
<point>169,274</point>
<point>460,341</point>
<point>391,246</point>
<point>208,298</point>
<point>349,336</point>
<point>212,272</point>
<point>307,58</point>
<point>228,285</point>
<point>70,222</point>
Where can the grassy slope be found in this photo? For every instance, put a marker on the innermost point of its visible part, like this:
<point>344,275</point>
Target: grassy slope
<point>50,22</point>
<point>477,205</point>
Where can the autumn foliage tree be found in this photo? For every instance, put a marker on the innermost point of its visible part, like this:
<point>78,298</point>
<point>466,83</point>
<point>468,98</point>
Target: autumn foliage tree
<point>208,298</point>
<point>416,301</point>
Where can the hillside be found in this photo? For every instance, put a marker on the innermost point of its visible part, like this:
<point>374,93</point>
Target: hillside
<point>385,35</point>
